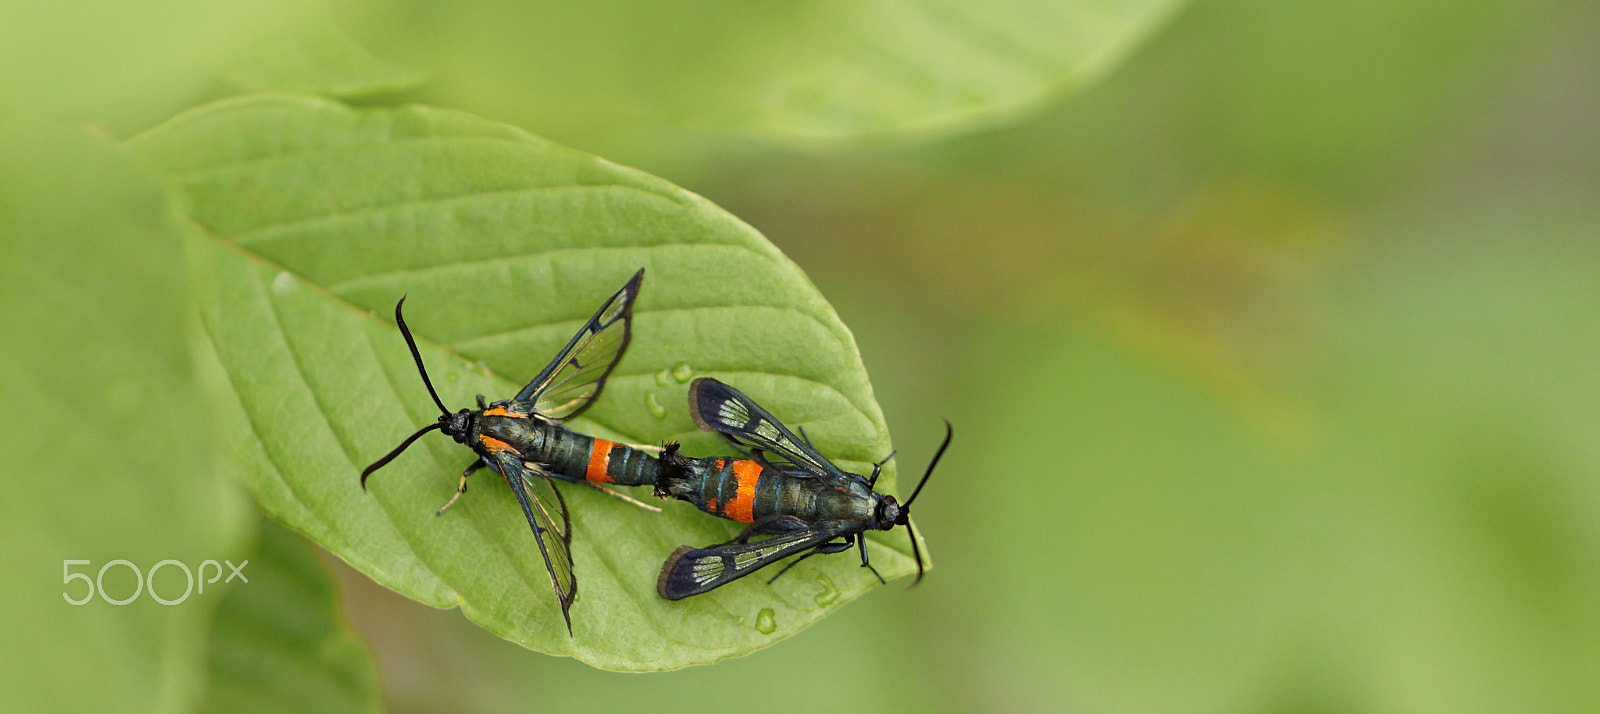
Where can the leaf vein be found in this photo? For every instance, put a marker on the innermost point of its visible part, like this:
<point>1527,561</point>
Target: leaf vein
<point>423,201</point>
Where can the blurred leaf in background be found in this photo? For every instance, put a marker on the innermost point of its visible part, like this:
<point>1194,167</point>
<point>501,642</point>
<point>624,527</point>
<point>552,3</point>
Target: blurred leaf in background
<point>314,55</point>
<point>286,626</point>
<point>107,443</point>
<point>123,66</point>
<point>646,82</point>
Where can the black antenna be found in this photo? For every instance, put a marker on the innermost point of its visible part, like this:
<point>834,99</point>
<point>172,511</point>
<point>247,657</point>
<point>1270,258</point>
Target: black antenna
<point>915,553</point>
<point>949,431</point>
<point>406,331</point>
<point>905,508</point>
<point>402,447</point>
<point>401,321</point>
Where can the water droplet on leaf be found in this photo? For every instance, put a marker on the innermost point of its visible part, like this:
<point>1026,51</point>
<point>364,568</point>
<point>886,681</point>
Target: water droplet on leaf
<point>660,412</point>
<point>766,621</point>
<point>682,372</point>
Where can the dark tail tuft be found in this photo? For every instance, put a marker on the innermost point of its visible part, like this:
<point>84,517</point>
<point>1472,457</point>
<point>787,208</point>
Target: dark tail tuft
<point>675,468</point>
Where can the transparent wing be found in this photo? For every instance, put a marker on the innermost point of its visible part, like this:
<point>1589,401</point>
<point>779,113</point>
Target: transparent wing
<point>715,406</point>
<point>546,511</point>
<point>692,571</point>
<point>572,381</point>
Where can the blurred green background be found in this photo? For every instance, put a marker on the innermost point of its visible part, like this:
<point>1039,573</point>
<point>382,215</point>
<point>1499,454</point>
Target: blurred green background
<point>1269,338</point>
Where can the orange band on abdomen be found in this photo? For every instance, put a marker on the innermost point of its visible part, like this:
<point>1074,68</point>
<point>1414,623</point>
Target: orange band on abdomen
<point>494,445</point>
<point>742,507</point>
<point>599,459</point>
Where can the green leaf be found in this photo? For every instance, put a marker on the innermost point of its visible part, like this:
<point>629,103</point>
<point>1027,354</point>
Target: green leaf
<point>312,219</point>
<point>107,449</point>
<point>316,56</point>
<point>800,72</point>
<point>284,625</point>
<point>123,66</point>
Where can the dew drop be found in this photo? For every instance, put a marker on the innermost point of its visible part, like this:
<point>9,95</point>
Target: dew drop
<point>656,410</point>
<point>283,284</point>
<point>829,592</point>
<point>662,377</point>
<point>766,621</point>
<point>682,372</point>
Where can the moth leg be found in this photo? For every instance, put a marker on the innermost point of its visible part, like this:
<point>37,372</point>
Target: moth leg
<point>620,495</point>
<point>838,547</point>
<point>462,488</point>
<point>868,565</point>
<point>877,468</point>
